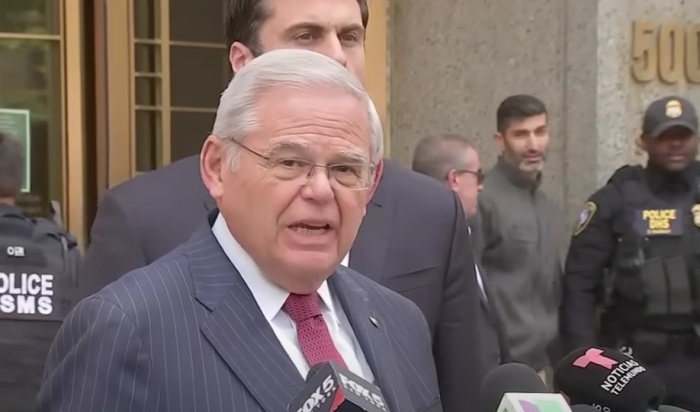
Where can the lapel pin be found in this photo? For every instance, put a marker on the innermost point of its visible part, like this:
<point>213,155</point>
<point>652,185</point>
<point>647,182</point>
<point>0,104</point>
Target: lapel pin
<point>374,321</point>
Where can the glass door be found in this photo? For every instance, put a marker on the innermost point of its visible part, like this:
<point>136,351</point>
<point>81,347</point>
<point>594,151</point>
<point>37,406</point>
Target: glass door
<point>41,102</point>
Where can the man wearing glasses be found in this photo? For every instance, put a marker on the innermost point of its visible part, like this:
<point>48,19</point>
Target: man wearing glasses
<point>409,232</point>
<point>236,317</point>
<point>453,160</point>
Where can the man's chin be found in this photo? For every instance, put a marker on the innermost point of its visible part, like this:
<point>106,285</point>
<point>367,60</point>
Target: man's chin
<point>533,167</point>
<point>314,263</point>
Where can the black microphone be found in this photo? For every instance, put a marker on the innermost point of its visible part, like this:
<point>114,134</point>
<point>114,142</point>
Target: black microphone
<point>330,387</point>
<point>608,380</point>
<point>669,408</point>
<point>508,378</point>
<point>583,408</point>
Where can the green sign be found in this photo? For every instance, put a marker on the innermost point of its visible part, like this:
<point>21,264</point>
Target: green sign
<point>16,123</point>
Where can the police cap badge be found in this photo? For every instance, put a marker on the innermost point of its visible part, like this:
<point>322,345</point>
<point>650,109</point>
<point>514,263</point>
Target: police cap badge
<point>674,109</point>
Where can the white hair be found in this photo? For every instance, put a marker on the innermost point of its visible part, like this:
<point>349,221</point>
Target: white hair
<point>302,69</point>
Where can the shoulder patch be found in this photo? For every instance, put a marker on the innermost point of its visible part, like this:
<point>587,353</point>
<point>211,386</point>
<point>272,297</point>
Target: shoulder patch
<point>585,217</point>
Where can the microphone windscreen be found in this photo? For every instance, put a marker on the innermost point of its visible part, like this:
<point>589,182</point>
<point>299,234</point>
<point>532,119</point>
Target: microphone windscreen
<point>669,408</point>
<point>583,408</point>
<point>607,379</point>
<point>511,377</point>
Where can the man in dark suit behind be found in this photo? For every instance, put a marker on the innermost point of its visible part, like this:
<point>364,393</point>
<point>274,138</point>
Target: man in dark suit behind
<point>412,240</point>
<point>235,318</point>
<point>453,160</point>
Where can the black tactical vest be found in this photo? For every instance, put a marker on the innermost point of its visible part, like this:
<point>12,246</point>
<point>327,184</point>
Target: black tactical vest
<point>38,269</point>
<point>670,240</point>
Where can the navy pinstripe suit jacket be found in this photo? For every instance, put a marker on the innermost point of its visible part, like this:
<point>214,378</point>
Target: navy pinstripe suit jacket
<point>185,334</point>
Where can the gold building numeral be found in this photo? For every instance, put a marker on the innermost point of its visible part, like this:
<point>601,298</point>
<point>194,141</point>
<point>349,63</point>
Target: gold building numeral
<point>668,53</point>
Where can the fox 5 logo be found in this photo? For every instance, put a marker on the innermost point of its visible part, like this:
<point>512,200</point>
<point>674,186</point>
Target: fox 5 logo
<point>319,396</point>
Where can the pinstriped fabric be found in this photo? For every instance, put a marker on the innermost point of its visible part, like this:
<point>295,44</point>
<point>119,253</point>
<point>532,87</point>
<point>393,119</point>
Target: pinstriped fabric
<point>185,335</point>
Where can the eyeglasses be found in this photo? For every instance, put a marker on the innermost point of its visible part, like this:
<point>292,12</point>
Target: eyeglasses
<point>353,176</point>
<point>479,174</point>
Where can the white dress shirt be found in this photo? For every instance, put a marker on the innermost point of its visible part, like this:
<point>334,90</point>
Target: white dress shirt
<point>271,297</point>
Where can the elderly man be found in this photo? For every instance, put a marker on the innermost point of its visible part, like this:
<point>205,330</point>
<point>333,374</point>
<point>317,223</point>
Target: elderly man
<point>234,318</point>
<point>408,240</point>
<point>453,160</point>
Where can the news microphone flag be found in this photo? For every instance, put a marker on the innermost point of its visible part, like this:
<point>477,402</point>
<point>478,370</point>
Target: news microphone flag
<point>508,378</point>
<point>608,380</point>
<point>334,388</point>
<point>533,402</point>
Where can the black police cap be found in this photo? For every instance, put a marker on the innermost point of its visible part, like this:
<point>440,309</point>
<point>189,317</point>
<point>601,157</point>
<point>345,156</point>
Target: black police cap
<point>668,112</point>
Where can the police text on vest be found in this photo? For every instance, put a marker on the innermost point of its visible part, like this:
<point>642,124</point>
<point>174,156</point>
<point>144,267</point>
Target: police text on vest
<point>26,293</point>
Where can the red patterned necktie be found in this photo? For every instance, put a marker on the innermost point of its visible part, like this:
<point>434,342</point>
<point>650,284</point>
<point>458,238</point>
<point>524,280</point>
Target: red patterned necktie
<point>312,331</point>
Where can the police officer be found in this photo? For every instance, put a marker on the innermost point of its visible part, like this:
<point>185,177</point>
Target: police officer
<point>38,269</point>
<point>633,269</point>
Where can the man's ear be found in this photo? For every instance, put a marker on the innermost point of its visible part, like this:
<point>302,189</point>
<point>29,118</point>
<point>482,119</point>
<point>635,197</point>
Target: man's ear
<point>239,55</point>
<point>500,140</point>
<point>212,161</point>
<point>641,143</point>
<point>451,179</point>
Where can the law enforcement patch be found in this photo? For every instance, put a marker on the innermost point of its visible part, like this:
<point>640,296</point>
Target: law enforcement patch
<point>674,109</point>
<point>585,217</point>
<point>696,214</point>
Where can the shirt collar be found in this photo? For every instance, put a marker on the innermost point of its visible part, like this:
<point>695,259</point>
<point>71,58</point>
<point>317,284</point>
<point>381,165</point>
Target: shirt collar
<point>268,295</point>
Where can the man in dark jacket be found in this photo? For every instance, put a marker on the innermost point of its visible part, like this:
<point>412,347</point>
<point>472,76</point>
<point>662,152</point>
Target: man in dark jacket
<point>454,161</point>
<point>412,240</point>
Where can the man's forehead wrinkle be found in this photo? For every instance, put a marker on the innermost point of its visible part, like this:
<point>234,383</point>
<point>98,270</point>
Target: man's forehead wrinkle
<point>307,129</point>
<point>352,156</point>
<point>319,124</point>
<point>287,145</point>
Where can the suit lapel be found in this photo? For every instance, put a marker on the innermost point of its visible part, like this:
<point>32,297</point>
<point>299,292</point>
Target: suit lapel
<point>371,334</point>
<point>493,316</point>
<point>237,329</point>
<point>368,253</point>
<point>483,292</point>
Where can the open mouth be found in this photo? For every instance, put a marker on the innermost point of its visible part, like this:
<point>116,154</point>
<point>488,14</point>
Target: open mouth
<point>310,229</point>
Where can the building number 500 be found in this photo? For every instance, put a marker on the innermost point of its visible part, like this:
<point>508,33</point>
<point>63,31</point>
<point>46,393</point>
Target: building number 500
<point>670,53</point>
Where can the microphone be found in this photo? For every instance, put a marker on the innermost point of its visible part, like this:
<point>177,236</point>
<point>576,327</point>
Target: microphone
<point>608,380</point>
<point>583,408</point>
<point>669,408</point>
<point>533,402</point>
<point>510,377</point>
<point>330,387</point>
<point>313,371</point>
